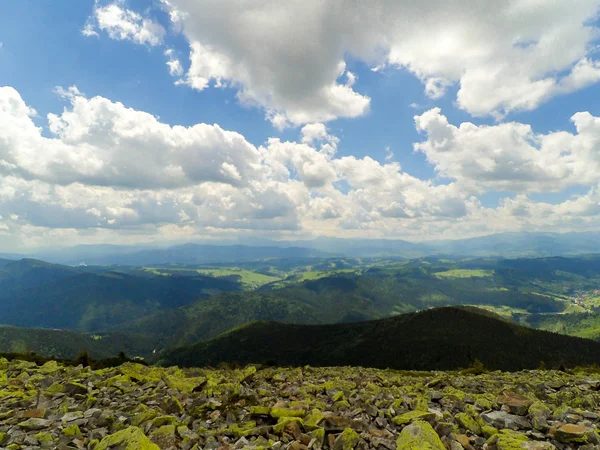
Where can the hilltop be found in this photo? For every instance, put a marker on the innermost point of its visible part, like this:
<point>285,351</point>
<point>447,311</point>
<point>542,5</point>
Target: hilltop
<point>436,339</point>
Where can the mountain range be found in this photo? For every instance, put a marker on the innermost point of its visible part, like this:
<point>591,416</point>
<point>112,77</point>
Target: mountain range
<point>511,245</point>
<point>152,310</point>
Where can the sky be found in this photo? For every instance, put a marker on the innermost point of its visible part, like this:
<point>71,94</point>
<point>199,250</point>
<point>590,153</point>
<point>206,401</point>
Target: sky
<point>129,121</point>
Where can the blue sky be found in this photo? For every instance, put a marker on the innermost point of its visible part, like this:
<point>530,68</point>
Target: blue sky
<point>472,184</point>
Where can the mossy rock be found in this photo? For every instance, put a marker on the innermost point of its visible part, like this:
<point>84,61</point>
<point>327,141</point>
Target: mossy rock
<point>164,436</point>
<point>488,431</point>
<point>572,434</point>
<point>347,440</point>
<point>131,438</point>
<point>54,388</point>
<point>312,420</point>
<point>71,431</point>
<point>144,414</point>
<point>278,413</point>
<point>283,421</point>
<point>159,421</point>
<point>260,411</point>
<point>512,440</point>
<point>411,416</point>
<point>419,435</point>
<point>468,423</point>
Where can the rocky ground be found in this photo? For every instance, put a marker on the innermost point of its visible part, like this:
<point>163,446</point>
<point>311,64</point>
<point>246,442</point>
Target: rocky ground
<point>137,407</point>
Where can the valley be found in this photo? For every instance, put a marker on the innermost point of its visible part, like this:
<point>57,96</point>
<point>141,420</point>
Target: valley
<point>165,306</point>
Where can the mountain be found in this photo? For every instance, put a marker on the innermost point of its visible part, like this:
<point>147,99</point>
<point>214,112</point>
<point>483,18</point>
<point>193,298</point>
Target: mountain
<point>436,339</point>
<point>211,316</point>
<point>179,254</point>
<point>345,297</point>
<point>368,247</point>
<point>38,294</point>
<point>521,244</point>
<point>66,344</point>
<point>30,273</point>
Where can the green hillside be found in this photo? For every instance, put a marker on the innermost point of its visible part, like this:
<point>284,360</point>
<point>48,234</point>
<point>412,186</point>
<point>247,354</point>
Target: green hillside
<point>209,317</point>
<point>37,294</point>
<point>68,344</point>
<point>437,339</point>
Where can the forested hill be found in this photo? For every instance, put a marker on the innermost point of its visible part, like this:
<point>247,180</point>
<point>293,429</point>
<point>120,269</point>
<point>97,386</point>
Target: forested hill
<point>436,339</point>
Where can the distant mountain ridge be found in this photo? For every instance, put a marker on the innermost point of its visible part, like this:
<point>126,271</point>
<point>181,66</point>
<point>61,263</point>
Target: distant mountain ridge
<point>510,245</point>
<point>180,254</point>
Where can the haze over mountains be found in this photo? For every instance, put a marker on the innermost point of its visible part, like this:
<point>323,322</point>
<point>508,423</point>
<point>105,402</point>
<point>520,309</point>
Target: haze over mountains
<point>504,244</point>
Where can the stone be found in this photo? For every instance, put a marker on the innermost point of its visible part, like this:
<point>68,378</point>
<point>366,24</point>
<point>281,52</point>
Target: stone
<point>36,413</point>
<point>35,424</point>
<point>285,412</point>
<point>501,419</point>
<point>346,440</point>
<point>411,416</point>
<point>468,423</point>
<point>131,438</point>
<point>572,434</point>
<point>518,404</point>
<point>419,435</point>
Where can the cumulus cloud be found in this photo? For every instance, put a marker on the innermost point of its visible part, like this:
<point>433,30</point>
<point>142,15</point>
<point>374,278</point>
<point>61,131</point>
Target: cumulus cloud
<point>87,174</point>
<point>510,156</point>
<point>289,58</point>
<point>121,23</point>
<point>85,178</point>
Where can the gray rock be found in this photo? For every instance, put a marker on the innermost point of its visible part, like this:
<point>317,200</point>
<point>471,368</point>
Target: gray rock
<point>501,419</point>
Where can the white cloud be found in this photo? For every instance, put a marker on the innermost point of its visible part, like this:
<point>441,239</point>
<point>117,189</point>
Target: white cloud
<point>85,180</point>
<point>510,156</point>
<point>175,67</point>
<point>289,58</point>
<point>121,23</point>
<point>389,154</point>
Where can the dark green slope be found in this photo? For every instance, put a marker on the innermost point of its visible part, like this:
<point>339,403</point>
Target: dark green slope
<point>442,338</point>
<point>29,273</point>
<point>68,344</point>
<point>211,316</point>
<point>92,301</point>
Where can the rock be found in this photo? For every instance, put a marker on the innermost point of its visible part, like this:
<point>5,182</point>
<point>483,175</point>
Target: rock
<point>164,436</point>
<point>347,440</point>
<point>284,412</point>
<point>517,403</point>
<point>131,438</point>
<point>571,434</point>
<point>419,435</point>
<point>35,424</point>
<point>70,417</point>
<point>411,416</point>
<point>501,419</point>
<point>464,441</point>
<point>539,413</point>
<point>36,413</point>
<point>75,388</point>
<point>468,423</point>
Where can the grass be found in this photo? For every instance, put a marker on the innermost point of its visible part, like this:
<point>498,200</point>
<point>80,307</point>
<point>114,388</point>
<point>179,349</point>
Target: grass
<point>465,273</point>
<point>315,275</point>
<point>248,279</point>
<point>504,311</point>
